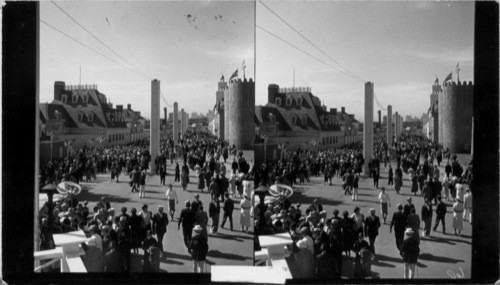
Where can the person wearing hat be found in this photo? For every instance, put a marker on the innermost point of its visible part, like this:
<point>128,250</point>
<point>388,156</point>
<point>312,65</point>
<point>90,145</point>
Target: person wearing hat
<point>458,208</point>
<point>172,200</point>
<point>385,200</point>
<point>245,207</point>
<point>198,248</point>
<point>305,256</point>
<point>316,206</point>
<point>426,214</point>
<point>160,222</point>
<point>142,193</point>
<point>409,251</point>
<point>124,243</point>
<point>147,245</point>
<point>372,224</point>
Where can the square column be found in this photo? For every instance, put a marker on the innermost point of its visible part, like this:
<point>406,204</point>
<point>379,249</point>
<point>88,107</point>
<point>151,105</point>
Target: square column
<point>389,125</point>
<point>368,127</point>
<point>155,124</point>
<point>175,128</point>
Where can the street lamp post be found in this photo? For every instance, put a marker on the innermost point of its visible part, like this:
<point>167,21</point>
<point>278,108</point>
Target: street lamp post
<point>262,191</point>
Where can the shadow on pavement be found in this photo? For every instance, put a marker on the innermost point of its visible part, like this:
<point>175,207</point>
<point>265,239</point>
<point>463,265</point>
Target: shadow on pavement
<point>449,240</point>
<point>381,257</point>
<point>430,257</point>
<point>167,260</point>
<point>299,197</point>
<point>218,254</point>
<point>93,197</point>
<point>171,255</point>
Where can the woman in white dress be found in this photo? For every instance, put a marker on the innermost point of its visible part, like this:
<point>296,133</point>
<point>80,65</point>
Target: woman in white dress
<point>245,206</point>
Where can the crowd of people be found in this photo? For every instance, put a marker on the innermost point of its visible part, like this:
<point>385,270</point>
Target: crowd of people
<point>323,242</point>
<point>113,237</point>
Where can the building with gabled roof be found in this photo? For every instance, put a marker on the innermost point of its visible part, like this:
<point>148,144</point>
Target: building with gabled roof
<point>80,114</point>
<point>296,118</point>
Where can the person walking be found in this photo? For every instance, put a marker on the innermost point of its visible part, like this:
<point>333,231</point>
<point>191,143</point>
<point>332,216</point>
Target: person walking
<point>228,211</point>
<point>214,213</point>
<point>358,218</point>
<point>398,179</point>
<point>440,214</point>
<point>375,176</point>
<point>163,175</point>
<point>177,172</point>
<point>245,206</point>
<point>198,248</point>
<point>355,186</point>
<point>426,214</point>
<point>142,194</point>
<point>410,251</point>
<point>187,220</point>
<point>399,222</point>
<point>372,224</point>
<point>385,200</point>
<point>160,223</point>
<point>201,219</point>
<point>172,200</point>
<point>468,206</point>
<point>414,222</point>
<point>458,224</point>
<point>391,176</point>
<point>185,176</point>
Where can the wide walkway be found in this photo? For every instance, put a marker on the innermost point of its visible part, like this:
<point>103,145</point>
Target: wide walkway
<point>225,248</point>
<point>441,256</point>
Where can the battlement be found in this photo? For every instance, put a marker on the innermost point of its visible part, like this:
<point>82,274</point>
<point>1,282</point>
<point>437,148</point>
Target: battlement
<point>454,84</point>
<point>239,81</point>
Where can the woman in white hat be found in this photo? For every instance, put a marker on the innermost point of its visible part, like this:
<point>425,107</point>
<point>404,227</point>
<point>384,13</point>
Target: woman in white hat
<point>410,251</point>
<point>198,248</point>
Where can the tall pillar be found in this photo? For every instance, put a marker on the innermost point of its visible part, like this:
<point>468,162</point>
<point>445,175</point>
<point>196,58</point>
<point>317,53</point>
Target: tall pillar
<point>175,128</point>
<point>389,125</point>
<point>396,125</point>
<point>368,127</point>
<point>155,123</point>
<point>187,121</point>
<point>440,118</point>
<point>227,113</point>
<point>165,114</point>
<point>183,119</point>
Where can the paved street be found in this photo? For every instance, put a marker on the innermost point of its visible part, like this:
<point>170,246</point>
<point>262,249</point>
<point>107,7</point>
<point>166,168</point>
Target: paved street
<point>441,256</point>
<point>225,248</point>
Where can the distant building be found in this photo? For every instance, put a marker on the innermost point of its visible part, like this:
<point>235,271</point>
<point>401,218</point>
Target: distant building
<point>216,125</point>
<point>194,115</point>
<point>295,118</point>
<point>80,115</point>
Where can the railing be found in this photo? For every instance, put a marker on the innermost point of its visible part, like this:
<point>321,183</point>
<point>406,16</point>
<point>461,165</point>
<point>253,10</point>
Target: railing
<point>294,89</point>
<point>68,252</point>
<point>80,87</point>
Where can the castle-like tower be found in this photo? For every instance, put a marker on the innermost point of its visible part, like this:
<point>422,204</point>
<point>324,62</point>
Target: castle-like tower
<point>219,99</point>
<point>455,116</point>
<point>239,112</point>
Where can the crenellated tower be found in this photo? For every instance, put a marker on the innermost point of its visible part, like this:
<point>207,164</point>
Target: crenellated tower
<point>456,116</point>
<point>239,106</point>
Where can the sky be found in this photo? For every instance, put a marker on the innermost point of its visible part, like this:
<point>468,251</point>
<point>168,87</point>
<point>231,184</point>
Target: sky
<point>399,46</point>
<point>185,45</point>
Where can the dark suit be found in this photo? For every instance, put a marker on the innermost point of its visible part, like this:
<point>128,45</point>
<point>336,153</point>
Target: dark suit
<point>399,223</point>
<point>228,212</point>
<point>160,222</point>
<point>372,223</point>
<point>187,220</point>
<point>440,214</point>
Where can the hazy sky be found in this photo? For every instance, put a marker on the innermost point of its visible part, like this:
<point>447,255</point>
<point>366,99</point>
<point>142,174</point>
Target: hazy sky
<point>185,45</point>
<point>400,46</point>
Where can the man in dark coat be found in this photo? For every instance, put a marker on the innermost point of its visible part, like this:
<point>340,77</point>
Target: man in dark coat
<point>228,211</point>
<point>440,214</point>
<point>177,172</point>
<point>160,222</point>
<point>426,215</point>
<point>198,248</point>
<point>399,224</point>
<point>124,243</point>
<point>187,220</point>
<point>372,224</point>
<point>410,251</point>
<point>223,186</point>
<point>112,259</point>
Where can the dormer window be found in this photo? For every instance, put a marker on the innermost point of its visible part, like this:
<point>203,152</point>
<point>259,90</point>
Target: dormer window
<point>85,98</point>
<point>271,118</point>
<point>294,120</point>
<point>90,115</point>
<point>74,99</point>
<point>80,117</point>
<point>57,115</point>
<point>289,101</point>
<point>304,119</point>
<point>299,102</point>
<point>277,101</point>
<point>64,98</point>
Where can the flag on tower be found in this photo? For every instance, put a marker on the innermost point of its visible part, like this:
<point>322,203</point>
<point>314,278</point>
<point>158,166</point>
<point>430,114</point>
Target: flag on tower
<point>235,74</point>
<point>448,77</point>
<point>436,81</point>
<point>243,66</point>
